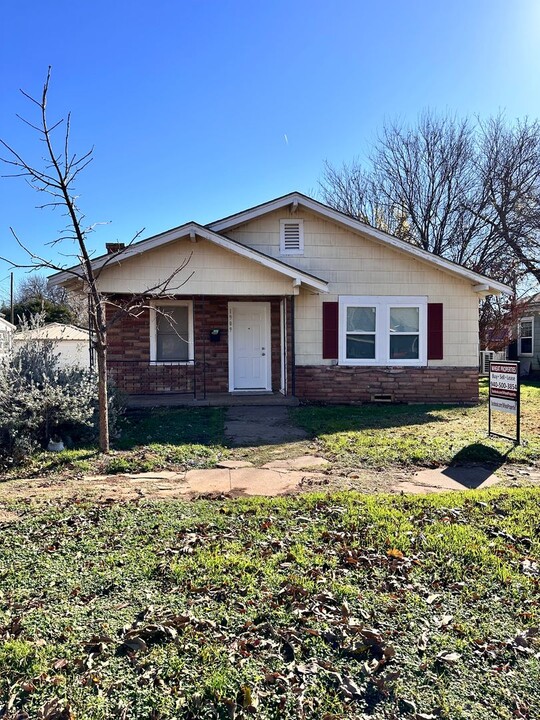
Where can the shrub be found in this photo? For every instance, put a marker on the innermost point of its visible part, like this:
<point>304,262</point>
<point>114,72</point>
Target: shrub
<point>40,400</point>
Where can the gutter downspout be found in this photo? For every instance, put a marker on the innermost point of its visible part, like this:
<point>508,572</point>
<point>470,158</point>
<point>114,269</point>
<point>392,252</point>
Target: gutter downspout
<point>293,351</point>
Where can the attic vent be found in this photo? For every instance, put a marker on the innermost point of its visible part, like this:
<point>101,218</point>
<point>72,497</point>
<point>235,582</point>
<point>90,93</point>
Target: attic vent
<point>291,237</point>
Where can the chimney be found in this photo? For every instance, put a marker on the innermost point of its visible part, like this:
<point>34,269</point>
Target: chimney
<point>114,247</point>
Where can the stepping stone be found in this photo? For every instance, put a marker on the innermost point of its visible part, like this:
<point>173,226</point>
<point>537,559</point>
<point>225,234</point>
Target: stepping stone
<point>215,480</point>
<point>304,461</point>
<point>258,481</point>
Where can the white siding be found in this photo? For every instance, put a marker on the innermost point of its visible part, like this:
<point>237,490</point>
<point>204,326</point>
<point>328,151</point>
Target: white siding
<point>210,270</point>
<point>356,265</point>
<point>70,353</point>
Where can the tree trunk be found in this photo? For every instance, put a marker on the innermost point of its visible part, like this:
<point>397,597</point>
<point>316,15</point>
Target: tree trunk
<point>103,395</point>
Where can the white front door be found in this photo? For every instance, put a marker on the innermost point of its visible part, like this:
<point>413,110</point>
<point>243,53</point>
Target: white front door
<point>249,346</point>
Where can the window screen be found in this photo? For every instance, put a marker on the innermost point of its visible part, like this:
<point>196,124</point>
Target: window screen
<point>172,329</point>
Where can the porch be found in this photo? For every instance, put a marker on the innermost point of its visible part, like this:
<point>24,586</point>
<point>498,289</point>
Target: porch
<point>212,350</point>
<point>211,400</point>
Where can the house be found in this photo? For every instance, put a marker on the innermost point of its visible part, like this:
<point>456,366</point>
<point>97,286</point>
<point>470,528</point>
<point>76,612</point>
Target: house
<point>6,334</point>
<point>70,343</point>
<point>526,347</point>
<point>293,297</point>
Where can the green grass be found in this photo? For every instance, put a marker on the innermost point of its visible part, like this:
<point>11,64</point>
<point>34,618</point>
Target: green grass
<point>156,439</point>
<point>428,435</point>
<point>321,606</point>
<point>376,436</point>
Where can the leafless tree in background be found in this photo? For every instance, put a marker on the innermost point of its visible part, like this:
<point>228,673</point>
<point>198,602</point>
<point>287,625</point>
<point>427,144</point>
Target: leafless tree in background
<point>469,192</point>
<point>508,168</point>
<point>57,180</point>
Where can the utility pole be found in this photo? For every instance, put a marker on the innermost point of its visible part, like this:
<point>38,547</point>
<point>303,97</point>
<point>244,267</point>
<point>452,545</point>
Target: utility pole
<point>12,303</point>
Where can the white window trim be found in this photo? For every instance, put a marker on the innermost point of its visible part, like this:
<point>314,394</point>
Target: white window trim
<point>282,250</point>
<point>531,336</point>
<point>383,303</point>
<point>153,331</point>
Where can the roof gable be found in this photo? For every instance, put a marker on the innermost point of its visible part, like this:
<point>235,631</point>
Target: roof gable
<point>213,232</point>
<point>6,325</point>
<point>194,230</point>
<point>481,283</point>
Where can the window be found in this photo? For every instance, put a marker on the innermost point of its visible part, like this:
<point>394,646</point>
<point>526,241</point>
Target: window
<point>291,237</point>
<point>383,330</point>
<point>361,332</point>
<point>171,332</point>
<point>526,336</point>
<point>404,329</point>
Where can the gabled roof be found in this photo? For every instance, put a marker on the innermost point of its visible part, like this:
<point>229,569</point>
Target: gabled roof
<point>213,232</point>
<point>53,331</point>
<point>482,284</point>
<point>6,325</point>
<point>192,230</point>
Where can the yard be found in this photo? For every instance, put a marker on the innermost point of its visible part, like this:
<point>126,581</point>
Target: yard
<point>318,606</point>
<point>378,437</point>
<point>324,606</point>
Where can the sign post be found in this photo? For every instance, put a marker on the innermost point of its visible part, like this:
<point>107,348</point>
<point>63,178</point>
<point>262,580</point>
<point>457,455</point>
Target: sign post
<point>504,394</point>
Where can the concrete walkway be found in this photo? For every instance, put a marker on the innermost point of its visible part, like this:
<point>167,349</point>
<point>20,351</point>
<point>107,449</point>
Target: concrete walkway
<point>261,425</point>
<point>239,478</point>
<point>283,477</point>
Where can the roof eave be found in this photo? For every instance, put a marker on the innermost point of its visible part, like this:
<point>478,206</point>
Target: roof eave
<point>207,234</point>
<point>495,287</point>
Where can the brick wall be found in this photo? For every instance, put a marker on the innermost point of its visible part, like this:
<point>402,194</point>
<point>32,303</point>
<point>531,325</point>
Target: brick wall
<point>129,351</point>
<point>336,384</point>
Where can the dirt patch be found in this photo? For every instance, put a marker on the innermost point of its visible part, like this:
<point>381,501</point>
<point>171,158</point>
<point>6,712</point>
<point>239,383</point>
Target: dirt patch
<point>8,517</point>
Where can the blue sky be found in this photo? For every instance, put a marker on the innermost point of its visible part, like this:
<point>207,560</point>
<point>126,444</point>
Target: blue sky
<point>197,109</point>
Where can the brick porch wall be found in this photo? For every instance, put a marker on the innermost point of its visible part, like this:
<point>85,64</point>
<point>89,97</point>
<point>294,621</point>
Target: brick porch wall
<point>129,351</point>
<point>336,384</point>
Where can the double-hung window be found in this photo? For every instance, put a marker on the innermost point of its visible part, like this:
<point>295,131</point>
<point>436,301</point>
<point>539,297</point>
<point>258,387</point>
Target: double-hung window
<point>171,332</point>
<point>526,336</point>
<point>381,330</point>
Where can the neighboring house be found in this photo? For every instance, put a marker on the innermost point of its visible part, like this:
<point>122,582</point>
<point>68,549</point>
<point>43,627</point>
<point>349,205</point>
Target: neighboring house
<point>70,343</point>
<point>292,296</point>
<point>6,334</point>
<point>526,347</point>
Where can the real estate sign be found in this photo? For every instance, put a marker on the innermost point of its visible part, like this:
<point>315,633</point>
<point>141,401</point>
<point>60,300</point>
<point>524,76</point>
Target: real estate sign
<point>504,393</point>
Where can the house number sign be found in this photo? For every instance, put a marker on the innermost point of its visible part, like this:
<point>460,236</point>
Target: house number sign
<point>504,394</point>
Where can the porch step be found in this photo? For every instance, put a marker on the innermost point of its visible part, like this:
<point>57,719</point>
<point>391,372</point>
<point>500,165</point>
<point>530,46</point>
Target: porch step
<point>212,399</point>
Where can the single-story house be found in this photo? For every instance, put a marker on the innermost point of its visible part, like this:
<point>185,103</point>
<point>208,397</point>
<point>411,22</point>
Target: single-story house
<point>6,334</point>
<point>69,343</point>
<point>293,297</point>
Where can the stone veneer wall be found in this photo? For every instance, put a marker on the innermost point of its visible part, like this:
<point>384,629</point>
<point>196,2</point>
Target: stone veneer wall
<point>338,384</point>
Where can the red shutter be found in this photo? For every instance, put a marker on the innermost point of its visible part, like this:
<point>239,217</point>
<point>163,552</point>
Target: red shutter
<point>330,324</point>
<point>435,331</point>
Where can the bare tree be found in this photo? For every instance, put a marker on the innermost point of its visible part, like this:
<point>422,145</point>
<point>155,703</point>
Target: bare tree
<point>468,191</point>
<point>34,286</point>
<point>421,186</point>
<point>57,180</point>
<point>508,167</point>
